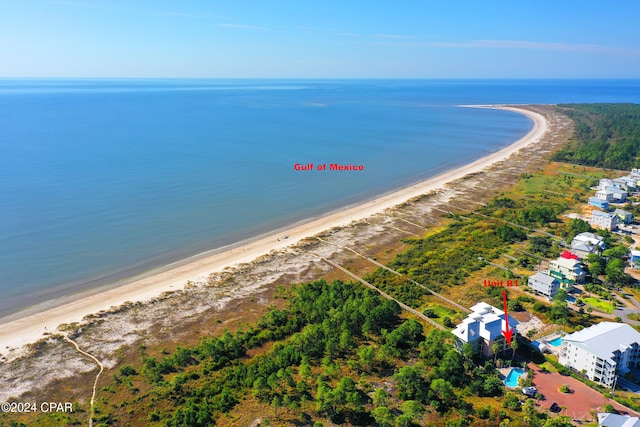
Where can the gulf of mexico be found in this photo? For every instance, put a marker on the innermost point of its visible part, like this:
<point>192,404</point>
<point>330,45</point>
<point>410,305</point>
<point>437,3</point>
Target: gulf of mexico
<point>100,180</point>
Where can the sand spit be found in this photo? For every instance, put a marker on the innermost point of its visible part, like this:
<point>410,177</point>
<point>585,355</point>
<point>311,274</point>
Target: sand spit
<point>162,304</point>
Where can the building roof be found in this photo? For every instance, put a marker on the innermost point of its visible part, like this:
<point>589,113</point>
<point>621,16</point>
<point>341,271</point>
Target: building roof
<point>604,338</point>
<point>597,200</point>
<point>602,214</point>
<point>581,247</point>
<point>544,278</point>
<point>621,212</point>
<point>570,255</point>
<point>622,180</point>
<point>571,264</point>
<point>589,237</point>
<point>485,322</point>
<point>614,420</point>
<point>540,345</point>
<point>615,190</point>
<point>587,242</point>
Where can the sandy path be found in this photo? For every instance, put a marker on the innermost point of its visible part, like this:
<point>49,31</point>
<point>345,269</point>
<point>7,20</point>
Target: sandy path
<point>31,327</point>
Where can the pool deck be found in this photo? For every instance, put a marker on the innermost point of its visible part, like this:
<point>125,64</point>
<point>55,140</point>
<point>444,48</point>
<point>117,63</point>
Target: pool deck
<point>504,372</point>
<point>553,336</point>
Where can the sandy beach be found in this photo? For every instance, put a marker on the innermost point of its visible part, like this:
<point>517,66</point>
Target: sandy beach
<point>16,331</point>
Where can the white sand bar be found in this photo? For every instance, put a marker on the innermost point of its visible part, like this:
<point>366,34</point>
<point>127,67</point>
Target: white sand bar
<point>17,331</point>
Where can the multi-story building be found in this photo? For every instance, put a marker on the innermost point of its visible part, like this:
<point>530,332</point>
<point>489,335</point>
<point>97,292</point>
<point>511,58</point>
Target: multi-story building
<point>591,238</point>
<point>606,419</point>
<point>567,269</point>
<point>544,284</point>
<point>612,191</point>
<point>601,352</point>
<point>624,217</point>
<point>483,328</point>
<point>605,195</point>
<point>598,203</point>
<point>604,220</point>
<point>585,244</point>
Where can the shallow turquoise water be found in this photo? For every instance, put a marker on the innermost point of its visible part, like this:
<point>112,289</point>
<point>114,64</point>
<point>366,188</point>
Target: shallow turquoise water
<point>556,342</point>
<point>512,377</point>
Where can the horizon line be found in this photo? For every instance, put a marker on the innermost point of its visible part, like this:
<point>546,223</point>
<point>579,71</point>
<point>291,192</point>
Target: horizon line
<point>301,78</point>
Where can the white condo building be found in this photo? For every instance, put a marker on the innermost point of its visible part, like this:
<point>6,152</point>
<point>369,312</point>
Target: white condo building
<point>614,420</point>
<point>602,351</point>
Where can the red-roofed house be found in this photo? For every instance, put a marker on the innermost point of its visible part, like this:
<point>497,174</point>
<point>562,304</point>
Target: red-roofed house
<point>569,255</point>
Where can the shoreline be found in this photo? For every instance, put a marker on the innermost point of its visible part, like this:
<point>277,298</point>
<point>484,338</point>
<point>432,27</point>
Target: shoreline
<point>31,324</point>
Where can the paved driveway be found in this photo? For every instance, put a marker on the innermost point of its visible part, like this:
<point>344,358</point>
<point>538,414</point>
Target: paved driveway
<point>579,403</point>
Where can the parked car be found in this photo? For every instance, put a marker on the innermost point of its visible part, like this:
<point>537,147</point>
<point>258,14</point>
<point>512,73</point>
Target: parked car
<point>529,391</point>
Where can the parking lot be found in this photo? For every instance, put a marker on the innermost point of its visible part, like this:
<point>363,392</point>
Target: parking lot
<point>579,403</point>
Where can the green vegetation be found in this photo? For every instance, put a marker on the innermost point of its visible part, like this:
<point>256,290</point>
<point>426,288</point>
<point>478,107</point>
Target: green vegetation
<point>601,305</point>
<point>606,135</point>
<point>325,340</point>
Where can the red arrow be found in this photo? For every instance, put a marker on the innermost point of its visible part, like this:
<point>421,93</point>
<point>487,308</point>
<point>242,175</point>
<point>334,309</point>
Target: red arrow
<point>507,334</point>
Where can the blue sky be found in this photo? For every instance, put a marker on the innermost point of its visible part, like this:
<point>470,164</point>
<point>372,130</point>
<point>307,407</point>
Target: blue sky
<point>320,39</point>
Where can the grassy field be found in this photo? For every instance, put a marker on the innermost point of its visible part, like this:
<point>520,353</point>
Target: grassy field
<point>599,304</point>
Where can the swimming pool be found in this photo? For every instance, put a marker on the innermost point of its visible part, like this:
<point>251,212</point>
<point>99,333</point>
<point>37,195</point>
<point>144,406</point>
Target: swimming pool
<point>512,377</point>
<point>556,342</point>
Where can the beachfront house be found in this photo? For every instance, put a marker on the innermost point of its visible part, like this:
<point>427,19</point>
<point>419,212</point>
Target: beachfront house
<point>612,190</point>
<point>591,238</point>
<point>598,203</point>
<point>604,183</point>
<point>567,270</point>
<point>601,352</point>
<point>612,195</point>
<point>587,243</point>
<point>603,220</point>
<point>483,328</point>
<point>624,217</point>
<point>543,284</point>
<point>619,195</point>
<point>583,250</point>
<point>628,182</point>
<point>625,183</point>
<point>604,195</point>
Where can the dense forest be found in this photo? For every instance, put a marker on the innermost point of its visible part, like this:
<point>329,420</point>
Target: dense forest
<point>339,352</point>
<point>606,135</point>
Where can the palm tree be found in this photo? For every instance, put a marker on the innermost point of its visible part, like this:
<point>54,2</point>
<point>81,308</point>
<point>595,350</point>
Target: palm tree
<point>514,347</point>
<point>495,348</point>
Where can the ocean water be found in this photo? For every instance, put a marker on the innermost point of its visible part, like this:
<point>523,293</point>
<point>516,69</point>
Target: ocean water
<point>104,179</point>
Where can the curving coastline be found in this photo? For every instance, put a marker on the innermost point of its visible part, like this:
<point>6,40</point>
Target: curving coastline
<point>17,331</point>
